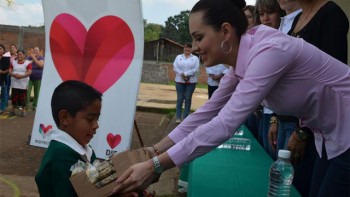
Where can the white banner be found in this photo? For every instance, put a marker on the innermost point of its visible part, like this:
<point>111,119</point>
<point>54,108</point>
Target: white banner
<point>100,43</point>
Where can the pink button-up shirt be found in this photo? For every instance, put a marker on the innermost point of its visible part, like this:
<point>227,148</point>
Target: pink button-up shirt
<point>287,75</point>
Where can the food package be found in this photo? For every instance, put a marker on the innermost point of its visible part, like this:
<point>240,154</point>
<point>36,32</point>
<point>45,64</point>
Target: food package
<point>99,180</point>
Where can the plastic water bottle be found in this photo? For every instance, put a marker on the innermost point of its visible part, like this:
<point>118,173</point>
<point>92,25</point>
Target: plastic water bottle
<point>281,175</point>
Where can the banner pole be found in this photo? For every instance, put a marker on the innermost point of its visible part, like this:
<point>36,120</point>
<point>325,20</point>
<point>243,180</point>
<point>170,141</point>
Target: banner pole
<point>138,133</point>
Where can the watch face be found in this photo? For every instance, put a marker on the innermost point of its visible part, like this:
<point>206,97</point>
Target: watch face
<point>302,135</point>
<point>158,169</point>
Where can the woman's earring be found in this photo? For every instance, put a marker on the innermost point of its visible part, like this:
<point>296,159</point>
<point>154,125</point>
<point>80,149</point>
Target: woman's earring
<point>223,47</point>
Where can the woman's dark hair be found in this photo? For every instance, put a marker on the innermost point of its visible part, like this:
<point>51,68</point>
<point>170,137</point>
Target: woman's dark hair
<point>3,47</point>
<point>216,12</point>
<point>268,5</point>
<point>72,96</point>
<point>21,50</point>
<point>251,8</point>
<point>13,45</point>
<point>188,44</point>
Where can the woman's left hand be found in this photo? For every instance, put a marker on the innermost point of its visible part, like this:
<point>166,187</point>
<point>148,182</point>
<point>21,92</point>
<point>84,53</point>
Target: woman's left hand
<point>135,179</point>
<point>297,148</point>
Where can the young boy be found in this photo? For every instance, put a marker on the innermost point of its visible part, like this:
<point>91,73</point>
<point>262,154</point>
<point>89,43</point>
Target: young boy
<point>76,109</point>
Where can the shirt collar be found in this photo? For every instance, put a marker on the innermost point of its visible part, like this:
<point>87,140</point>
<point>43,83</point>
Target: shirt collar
<point>292,15</point>
<point>65,138</point>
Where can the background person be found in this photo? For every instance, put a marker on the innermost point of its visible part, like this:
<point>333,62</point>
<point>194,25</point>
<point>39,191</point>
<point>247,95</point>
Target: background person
<point>186,67</point>
<point>35,78</point>
<point>4,69</point>
<point>215,73</point>
<point>20,69</point>
<point>268,13</point>
<point>249,12</point>
<point>323,24</point>
<point>13,53</point>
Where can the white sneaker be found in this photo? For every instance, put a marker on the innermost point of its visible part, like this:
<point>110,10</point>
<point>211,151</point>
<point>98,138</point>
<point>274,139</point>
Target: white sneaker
<point>178,120</point>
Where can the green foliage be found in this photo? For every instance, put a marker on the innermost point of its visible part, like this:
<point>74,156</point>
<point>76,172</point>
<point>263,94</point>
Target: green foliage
<point>176,28</point>
<point>152,31</point>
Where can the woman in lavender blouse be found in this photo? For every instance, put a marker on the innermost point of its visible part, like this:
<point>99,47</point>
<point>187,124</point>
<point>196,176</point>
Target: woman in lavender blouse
<point>285,73</point>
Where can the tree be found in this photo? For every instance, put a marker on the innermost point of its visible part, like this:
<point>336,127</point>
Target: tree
<point>152,31</point>
<point>176,28</point>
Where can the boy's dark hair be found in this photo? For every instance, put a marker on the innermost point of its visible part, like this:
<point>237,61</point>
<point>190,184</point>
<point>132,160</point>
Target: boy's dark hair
<point>72,96</point>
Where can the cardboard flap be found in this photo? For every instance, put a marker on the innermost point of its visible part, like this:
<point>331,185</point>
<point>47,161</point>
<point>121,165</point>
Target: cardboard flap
<point>121,162</point>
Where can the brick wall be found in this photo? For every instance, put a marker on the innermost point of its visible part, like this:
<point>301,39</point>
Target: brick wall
<point>23,37</point>
<point>153,72</point>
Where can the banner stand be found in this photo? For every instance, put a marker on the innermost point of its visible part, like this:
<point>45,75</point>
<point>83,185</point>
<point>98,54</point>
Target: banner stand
<point>138,133</point>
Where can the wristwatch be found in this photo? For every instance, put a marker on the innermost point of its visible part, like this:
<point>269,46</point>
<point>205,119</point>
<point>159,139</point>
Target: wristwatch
<point>302,135</point>
<point>158,169</point>
<point>273,120</point>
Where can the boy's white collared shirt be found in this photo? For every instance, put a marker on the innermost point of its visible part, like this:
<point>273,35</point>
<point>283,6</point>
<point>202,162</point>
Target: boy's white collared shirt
<point>65,138</point>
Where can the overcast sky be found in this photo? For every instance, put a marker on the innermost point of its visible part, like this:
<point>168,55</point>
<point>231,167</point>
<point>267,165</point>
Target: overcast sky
<point>29,12</point>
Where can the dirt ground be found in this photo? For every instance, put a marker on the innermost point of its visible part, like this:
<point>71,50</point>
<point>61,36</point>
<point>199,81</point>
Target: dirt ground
<point>17,157</point>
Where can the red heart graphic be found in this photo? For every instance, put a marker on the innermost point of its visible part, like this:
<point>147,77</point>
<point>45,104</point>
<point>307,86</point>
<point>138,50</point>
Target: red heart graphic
<point>98,57</point>
<point>113,140</point>
<point>45,129</point>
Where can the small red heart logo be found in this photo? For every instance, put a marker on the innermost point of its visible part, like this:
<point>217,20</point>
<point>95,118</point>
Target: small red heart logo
<point>45,129</point>
<point>98,56</point>
<point>113,140</point>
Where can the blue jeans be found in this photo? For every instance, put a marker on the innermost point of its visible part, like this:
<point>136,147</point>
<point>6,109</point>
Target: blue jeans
<point>263,133</point>
<point>285,130</point>
<point>4,98</point>
<point>252,123</point>
<point>184,93</point>
<point>331,177</point>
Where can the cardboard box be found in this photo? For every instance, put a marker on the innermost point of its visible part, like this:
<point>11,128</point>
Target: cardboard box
<point>121,162</point>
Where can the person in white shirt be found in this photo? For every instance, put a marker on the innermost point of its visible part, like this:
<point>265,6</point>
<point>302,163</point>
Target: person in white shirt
<point>186,66</point>
<point>215,73</point>
<point>292,9</point>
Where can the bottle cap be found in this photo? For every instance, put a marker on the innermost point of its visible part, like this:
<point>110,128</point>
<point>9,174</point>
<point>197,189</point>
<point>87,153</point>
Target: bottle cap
<point>284,154</point>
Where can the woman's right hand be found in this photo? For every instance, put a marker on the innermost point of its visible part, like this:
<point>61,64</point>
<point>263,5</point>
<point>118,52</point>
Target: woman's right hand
<point>136,179</point>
